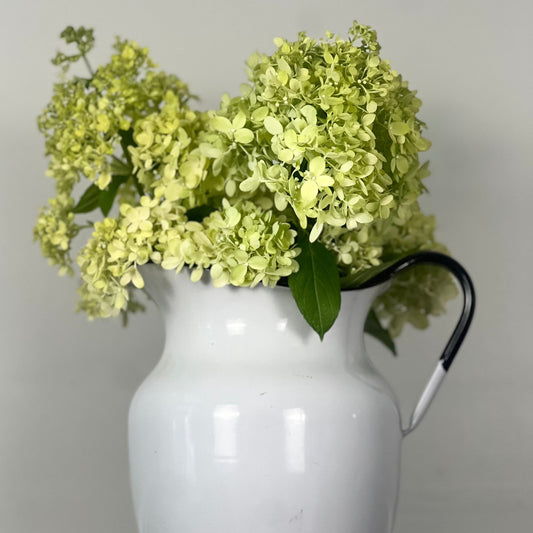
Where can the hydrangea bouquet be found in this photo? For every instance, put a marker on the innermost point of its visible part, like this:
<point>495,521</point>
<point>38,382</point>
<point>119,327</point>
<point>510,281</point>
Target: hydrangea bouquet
<point>310,177</point>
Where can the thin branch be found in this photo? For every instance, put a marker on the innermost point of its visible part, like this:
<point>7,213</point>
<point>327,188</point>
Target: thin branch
<point>88,65</point>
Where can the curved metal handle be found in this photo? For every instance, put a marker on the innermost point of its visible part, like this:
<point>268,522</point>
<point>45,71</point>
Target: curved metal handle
<point>458,335</point>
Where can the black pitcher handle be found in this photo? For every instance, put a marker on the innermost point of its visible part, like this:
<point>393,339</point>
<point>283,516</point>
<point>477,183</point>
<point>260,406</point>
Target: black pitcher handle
<point>458,335</point>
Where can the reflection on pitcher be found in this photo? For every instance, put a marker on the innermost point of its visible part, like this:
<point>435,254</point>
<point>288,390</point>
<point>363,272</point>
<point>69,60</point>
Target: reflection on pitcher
<point>225,420</point>
<point>294,421</point>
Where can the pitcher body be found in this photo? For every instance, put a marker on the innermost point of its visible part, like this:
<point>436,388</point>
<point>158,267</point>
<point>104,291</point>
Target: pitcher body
<point>250,424</point>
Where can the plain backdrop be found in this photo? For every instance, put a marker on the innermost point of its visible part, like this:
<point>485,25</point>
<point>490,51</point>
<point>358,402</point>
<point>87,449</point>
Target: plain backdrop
<point>65,383</point>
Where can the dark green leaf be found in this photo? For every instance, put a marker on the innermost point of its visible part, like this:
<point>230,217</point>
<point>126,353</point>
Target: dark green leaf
<point>83,37</point>
<point>88,200</point>
<point>107,196</point>
<point>315,287</point>
<point>197,214</point>
<point>61,59</point>
<point>373,327</point>
<point>120,168</point>
<point>126,139</point>
<point>356,280</point>
<point>84,40</point>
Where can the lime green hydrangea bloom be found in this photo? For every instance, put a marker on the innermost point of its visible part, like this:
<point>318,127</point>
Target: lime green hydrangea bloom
<point>110,261</point>
<point>327,128</point>
<point>246,245</point>
<point>88,119</point>
<point>82,122</point>
<point>166,157</point>
<point>55,230</point>
<point>421,291</point>
<point>325,139</point>
<point>240,244</point>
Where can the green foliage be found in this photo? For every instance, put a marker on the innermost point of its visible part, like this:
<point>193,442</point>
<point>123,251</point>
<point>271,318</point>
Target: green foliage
<point>373,327</point>
<point>88,200</point>
<point>197,214</point>
<point>323,142</point>
<point>315,286</point>
<point>83,39</point>
<point>106,198</point>
<point>95,197</point>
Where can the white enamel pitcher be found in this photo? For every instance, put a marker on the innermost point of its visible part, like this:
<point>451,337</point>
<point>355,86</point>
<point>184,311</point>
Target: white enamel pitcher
<point>250,424</point>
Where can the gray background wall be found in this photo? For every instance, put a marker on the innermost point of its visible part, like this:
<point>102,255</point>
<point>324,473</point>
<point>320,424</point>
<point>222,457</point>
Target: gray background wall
<point>65,384</point>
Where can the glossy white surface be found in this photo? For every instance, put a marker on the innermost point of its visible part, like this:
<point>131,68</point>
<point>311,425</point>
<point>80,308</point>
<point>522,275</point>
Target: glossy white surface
<point>429,392</point>
<point>250,424</point>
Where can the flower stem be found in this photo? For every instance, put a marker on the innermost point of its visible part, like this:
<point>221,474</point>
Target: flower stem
<point>88,65</point>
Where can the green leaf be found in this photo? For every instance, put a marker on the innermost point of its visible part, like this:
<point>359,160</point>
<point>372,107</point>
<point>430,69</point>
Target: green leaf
<point>83,37</point>
<point>373,327</point>
<point>126,140</point>
<point>88,200</point>
<point>354,281</point>
<point>315,287</point>
<point>84,40</point>
<point>107,196</point>
<point>197,214</point>
<point>120,168</point>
